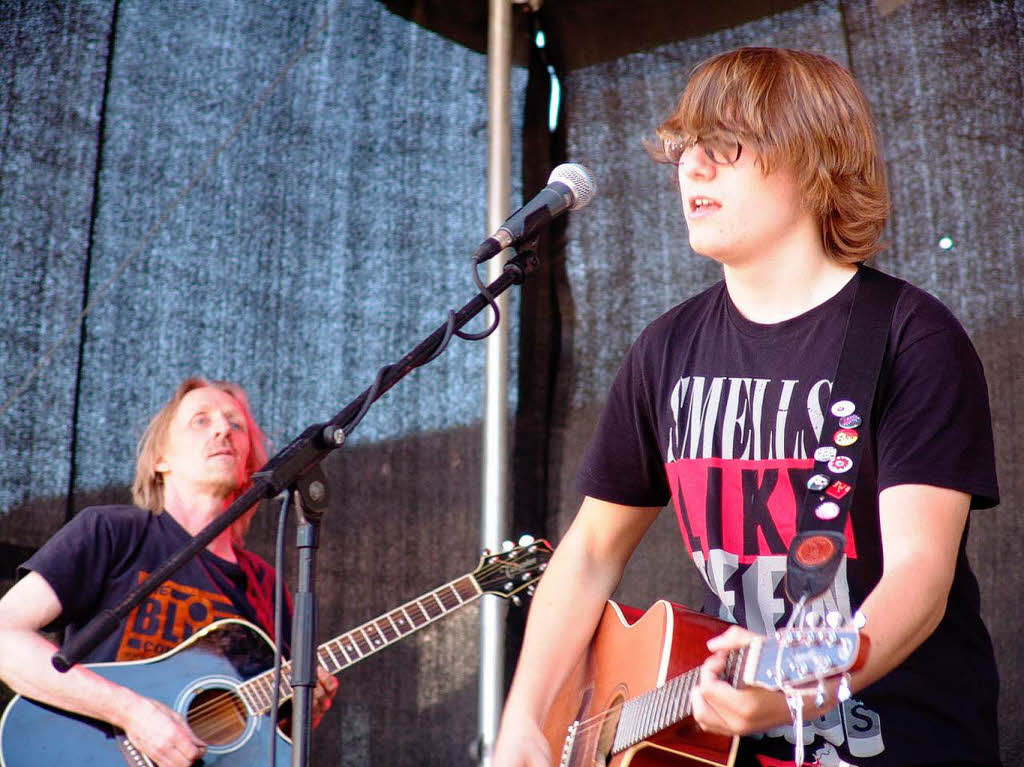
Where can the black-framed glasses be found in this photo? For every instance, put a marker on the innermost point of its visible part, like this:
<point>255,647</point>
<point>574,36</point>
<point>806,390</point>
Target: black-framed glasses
<point>721,147</point>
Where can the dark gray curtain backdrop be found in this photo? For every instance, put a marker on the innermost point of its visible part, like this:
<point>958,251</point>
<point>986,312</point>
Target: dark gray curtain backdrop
<point>332,233</point>
<point>944,79</point>
<point>327,238</point>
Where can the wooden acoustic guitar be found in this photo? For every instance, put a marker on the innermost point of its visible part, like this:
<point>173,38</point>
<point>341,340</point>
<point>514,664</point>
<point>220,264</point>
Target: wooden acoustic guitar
<point>221,681</point>
<point>627,702</point>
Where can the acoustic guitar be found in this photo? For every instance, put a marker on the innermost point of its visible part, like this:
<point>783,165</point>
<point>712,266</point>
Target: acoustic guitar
<point>627,702</point>
<point>222,682</point>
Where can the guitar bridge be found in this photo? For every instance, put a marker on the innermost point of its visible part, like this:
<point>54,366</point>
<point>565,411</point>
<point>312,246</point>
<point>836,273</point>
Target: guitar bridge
<point>570,742</point>
<point>132,755</point>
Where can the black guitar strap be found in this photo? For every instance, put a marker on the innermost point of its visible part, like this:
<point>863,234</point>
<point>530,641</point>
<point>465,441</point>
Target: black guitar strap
<point>817,549</point>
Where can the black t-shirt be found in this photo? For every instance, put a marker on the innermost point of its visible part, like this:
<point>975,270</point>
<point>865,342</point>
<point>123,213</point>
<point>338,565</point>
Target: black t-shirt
<point>723,415</point>
<point>96,559</point>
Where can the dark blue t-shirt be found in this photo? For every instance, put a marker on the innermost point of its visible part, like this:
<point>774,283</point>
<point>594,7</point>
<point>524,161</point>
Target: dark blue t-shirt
<point>104,552</point>
<point>722,416</point>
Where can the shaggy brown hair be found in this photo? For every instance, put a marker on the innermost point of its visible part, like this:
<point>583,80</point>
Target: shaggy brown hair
<point>800,111</point>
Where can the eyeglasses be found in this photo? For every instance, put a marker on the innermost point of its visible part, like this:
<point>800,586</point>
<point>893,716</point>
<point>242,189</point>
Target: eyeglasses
<point>721,148</point>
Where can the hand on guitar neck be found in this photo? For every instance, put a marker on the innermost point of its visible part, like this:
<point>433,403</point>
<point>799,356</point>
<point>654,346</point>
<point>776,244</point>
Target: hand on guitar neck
<point>647,691</point>
<point>721,708</point>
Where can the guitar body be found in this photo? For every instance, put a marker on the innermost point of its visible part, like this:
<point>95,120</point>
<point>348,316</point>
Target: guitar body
<point>631,653</point>
<point>219,681</point>
<point>198,679</point>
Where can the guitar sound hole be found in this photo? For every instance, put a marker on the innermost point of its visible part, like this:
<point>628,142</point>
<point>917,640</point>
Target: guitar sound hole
<point>217,717</point>
<point>607,733</point>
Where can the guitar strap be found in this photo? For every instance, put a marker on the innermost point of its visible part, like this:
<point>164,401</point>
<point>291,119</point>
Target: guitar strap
<point>819,543</point>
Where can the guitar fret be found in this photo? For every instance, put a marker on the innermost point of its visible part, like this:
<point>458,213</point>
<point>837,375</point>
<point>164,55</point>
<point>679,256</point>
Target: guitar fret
<point>386,630</point>
<point>262,688</point>
<point>670,708</point>
<point>681,698</point>
<point>323,656</point>
<point>409,618</point>
<point>664,709</point>
<point>458,598</point>
<point>286,690</point>
<point>433,608</point>
<point>362,643</point>
<point>660,722</point>
<point>394,625</point>
<point>426,615</point>
<point>376,640</point>
<point>677,698</point>
<point>350,649</point>
<point>337,664</point>
<point>652,720</point>
<point>247,697</point>
<point>624,727</point>
<point>444,596</point>
<point>468,588</point>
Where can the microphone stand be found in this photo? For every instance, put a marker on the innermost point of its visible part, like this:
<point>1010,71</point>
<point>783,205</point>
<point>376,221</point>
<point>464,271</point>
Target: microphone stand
<point>297,468</point>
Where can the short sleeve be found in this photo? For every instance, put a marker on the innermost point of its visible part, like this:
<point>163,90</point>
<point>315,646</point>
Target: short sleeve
<point>624,464</point>
<point>76,562</point>
<point>936,426</point>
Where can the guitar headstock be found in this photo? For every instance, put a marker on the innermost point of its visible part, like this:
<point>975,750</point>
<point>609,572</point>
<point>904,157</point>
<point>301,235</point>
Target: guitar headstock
<point>514,569</point>
<point>794,657</point>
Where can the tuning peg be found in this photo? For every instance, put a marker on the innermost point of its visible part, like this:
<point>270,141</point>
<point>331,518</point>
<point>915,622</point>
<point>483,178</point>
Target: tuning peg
<point>507,545</point>
<point>843,693</point>
<point>530,589</point>
<point>834,619</point>
<point>526,539</point>
<point>813,620</point>
<point>859,620</point>
<point>517,601</point>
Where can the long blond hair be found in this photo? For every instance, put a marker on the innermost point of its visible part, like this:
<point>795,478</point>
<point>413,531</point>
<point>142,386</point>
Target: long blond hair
<point>148,485</point>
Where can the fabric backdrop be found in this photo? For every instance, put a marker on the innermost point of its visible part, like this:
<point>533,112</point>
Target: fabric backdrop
<point>330,235</point>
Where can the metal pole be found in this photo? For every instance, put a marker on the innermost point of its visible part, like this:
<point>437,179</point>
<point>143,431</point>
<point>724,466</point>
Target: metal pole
<point>494,522</point>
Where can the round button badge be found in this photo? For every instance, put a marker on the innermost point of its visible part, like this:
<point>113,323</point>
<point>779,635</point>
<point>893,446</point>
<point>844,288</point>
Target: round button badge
<point>845,437</point>
<point>818,482</point>
<point>827,510</point>
<point>843,407</point>
<point>840,464</point>
<point>850,421</point>
<point>825,454</point>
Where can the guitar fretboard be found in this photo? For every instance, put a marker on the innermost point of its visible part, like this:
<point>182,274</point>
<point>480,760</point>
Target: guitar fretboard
<point>664,706</point>
<point>352,647</point>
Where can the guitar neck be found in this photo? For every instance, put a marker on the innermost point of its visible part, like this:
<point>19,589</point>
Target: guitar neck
<point>350,648</point>
<point>664,706</point>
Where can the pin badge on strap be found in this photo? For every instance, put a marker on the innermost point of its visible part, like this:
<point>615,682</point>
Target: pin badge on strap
<point>819,544</point>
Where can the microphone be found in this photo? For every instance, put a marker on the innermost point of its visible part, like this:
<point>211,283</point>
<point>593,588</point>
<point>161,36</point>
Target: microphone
<point>570,187</point>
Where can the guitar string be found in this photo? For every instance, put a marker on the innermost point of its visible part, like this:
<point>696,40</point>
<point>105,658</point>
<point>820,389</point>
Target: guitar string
<point>449,597</point>
<point>596,722</point>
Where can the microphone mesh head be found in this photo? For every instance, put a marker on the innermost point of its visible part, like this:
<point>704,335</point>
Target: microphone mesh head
<point>579,180</point>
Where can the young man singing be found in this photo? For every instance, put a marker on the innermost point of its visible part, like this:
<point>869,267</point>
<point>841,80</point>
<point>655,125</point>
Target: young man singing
<point>718,408</point>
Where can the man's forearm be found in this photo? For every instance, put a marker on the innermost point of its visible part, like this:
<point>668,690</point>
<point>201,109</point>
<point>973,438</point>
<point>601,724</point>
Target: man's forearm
<point>26,668</point>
